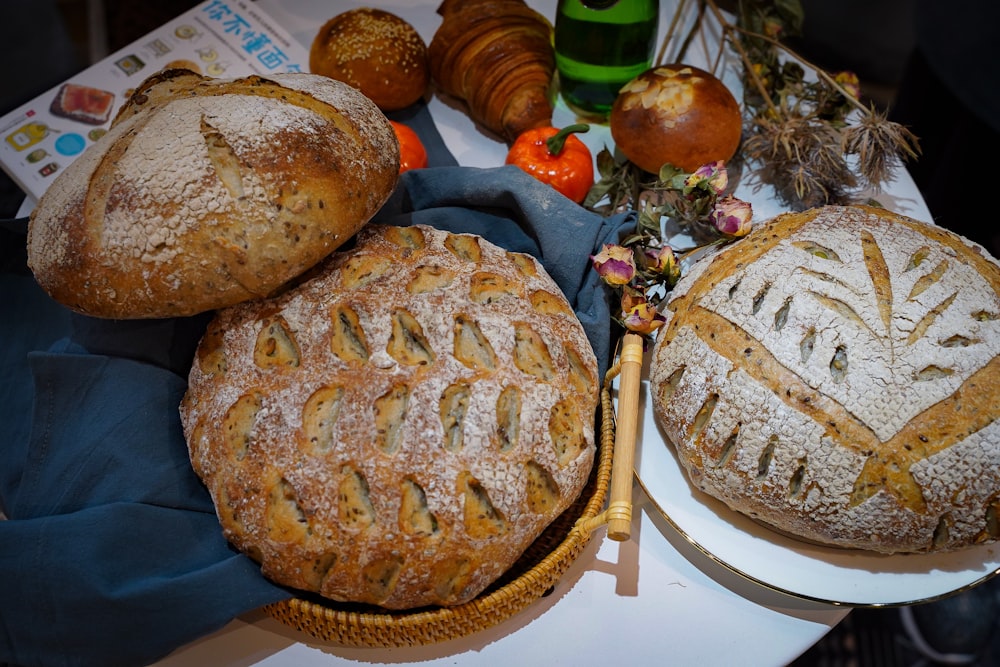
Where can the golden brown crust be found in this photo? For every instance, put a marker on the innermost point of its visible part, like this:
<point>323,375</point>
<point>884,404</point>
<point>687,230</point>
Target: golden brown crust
<point>375,51</point>
<point>397,430</point>
<point>678,114</point>
<point>497,57</point>
<point>836,375</point>
<point>207,192</point>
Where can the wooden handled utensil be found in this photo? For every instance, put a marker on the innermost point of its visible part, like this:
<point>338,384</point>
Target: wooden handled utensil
<point>619,512</point>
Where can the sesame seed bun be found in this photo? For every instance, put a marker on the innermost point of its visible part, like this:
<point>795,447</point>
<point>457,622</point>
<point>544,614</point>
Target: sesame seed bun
<point>375,51</point>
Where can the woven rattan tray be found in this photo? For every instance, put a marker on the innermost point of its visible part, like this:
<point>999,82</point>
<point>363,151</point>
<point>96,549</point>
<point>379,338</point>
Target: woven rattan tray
<point>531,577</point>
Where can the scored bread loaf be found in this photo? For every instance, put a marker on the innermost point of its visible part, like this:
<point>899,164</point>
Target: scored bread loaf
<point>836,376</point>
<point>398,429</point>
<point>207,192</point>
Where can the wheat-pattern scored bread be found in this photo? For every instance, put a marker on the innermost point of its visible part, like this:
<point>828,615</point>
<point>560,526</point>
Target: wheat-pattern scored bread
<point>836,375</point>
<point>398,429</point>
<point>207,192</point>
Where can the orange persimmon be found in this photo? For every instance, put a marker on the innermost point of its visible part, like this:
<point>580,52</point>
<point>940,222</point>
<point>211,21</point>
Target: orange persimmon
<point>556,157</point>
<point>412,154</point>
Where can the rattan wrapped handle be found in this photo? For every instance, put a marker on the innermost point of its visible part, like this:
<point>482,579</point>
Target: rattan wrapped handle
<point>619,512</point>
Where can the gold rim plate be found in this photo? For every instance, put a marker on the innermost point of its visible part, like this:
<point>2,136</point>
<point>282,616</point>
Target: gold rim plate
<point>783,564</point>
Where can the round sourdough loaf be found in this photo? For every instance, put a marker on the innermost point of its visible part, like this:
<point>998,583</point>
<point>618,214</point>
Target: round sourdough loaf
<point>207,192</point>
<point>836,375</point>
<point>398,429</point>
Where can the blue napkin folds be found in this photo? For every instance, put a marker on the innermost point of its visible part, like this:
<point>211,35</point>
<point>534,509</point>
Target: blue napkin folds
<point>111,553</point>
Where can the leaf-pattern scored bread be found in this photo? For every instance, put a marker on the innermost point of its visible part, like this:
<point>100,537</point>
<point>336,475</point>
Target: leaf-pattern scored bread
<point>398,429</point>
<point>836,375</point>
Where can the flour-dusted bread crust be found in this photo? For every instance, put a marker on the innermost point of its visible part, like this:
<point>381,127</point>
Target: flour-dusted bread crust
<point>836,375</point>
<point>400,428</point>
<point>207,192</point>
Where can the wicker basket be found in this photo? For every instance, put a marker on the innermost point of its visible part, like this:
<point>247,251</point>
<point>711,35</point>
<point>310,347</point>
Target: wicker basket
<point>530,578</point>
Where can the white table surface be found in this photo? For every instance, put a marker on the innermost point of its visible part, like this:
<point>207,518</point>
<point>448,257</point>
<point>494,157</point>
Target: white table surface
<point>654,599</point>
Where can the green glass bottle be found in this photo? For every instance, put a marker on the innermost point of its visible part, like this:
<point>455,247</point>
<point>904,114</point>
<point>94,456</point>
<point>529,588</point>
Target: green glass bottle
<point>600,46</point>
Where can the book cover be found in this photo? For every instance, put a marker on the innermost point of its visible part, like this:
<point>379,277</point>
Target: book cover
<point>218,38</point>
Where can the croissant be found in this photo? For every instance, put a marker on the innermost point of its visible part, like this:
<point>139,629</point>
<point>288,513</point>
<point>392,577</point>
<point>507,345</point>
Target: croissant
<point>497,57</point>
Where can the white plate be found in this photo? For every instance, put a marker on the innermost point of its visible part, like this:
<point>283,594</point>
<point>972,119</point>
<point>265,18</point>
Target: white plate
<point>835,576</point>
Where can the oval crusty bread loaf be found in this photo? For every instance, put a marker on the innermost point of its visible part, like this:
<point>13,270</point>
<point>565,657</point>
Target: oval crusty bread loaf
<point>400,428</point>
<point>836,375</point>
<point>208,192</point>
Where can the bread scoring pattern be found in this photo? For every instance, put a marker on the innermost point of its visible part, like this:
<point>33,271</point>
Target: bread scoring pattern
<point>836,375</point>
<point>398,429</point>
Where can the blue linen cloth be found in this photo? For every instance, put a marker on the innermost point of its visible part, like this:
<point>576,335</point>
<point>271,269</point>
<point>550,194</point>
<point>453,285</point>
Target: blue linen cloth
<point>111,553</point>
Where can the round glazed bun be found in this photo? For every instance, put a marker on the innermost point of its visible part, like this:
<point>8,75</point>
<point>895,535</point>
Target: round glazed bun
<point>399,429</point>
<point>678,114</point>
<point>207,192</point>
<point>836,375</point>
<point>375,51</point>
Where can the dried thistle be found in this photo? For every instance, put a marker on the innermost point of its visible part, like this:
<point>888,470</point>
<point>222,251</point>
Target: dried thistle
<point>800,135</point>
<point>800,132</point>
<point>802,158</point>
<point>877,142</point>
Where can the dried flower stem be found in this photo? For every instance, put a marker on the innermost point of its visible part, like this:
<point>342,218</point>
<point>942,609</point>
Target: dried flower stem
<point>675,19</point>
<point>729,28</point>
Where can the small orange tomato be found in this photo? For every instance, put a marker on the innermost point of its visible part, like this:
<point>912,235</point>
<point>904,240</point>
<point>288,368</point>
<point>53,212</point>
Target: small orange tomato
<point>412,154</point>
<point>556,157</point>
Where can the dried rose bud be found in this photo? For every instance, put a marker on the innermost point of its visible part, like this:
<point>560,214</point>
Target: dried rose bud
<point>762,73</point>
<point>664,262</point>
<point>773,28</point>
<point>615,264</point>
<point>639,315</point>
<point>849,82</point>
<point>708,176</point>
<point>731,216</point>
